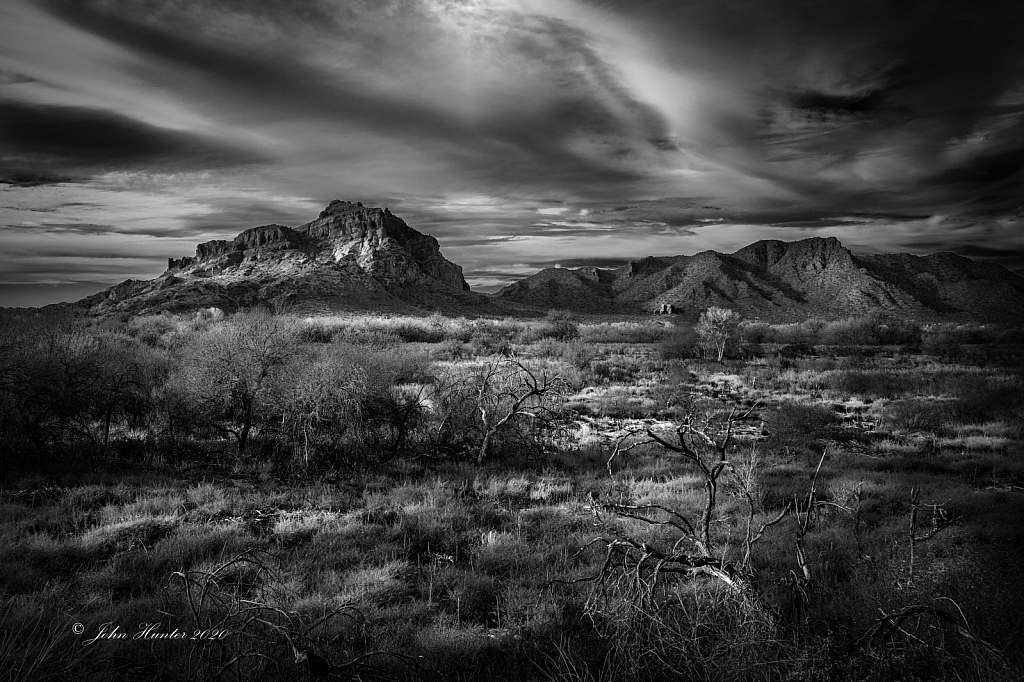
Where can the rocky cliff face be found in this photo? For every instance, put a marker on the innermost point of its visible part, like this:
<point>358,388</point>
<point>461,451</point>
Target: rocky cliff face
<point>372,234</point>
<point>351,257</point>
<point>782,281</point>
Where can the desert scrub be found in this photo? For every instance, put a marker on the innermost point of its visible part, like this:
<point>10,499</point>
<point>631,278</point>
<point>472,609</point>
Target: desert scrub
<point>623,332</point>
<point>799,427</point>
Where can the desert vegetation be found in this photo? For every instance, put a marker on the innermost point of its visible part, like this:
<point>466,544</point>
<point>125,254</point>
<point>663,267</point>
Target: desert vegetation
<point>560,498</point>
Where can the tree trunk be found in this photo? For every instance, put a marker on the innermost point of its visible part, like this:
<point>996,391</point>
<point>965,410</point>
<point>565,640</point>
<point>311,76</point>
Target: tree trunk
<point>484,446</point>
<point>106,427</point>
<point>710,492</point>
<point>243,435</point>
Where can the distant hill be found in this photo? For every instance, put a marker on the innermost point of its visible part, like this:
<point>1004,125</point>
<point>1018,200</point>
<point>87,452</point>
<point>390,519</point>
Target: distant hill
<point>784,281</point>
<point>351,258</point>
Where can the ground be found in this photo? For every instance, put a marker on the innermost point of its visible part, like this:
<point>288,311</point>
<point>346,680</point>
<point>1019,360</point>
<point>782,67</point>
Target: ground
<point>429,565</point>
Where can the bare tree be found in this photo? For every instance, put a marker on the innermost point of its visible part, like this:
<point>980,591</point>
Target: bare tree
<point>229,372</point>
<point>941,520</point>
<point>508,393</point>
<point>716,327</point>
<point>705,444</point>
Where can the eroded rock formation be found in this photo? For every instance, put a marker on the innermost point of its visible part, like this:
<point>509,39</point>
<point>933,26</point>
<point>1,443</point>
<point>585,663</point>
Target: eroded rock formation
<point>351,257</point>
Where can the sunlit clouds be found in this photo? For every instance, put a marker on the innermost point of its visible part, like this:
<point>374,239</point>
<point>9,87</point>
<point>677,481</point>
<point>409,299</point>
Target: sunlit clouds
<point>520,133</point>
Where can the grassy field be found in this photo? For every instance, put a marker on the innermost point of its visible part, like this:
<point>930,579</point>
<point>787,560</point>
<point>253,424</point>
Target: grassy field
<point>345,514</point>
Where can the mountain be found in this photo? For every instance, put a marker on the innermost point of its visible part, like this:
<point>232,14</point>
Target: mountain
<point>354,258</point>
<point>351,258</point>
<point>786,281</point>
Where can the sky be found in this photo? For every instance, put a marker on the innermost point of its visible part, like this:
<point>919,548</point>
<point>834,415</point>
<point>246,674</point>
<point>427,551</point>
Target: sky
<point>522,134</point>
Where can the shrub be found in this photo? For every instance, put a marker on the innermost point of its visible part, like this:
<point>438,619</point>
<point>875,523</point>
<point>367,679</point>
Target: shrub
<point>562,325</point>
<point>798,426</point>
<point>796,350</point>
<point>682,343</point>
<point>152,329</point>
<point>376,339</point>
<point>622,332</point>
<point>449,349</point>
<point>870,384</point>
<point>611,372</point>
<point>316,331</point>
<point>484,343</point>
<point>418,332</point>
<point>578,354</point>
<point>755,332</point>
<point>917,414</point>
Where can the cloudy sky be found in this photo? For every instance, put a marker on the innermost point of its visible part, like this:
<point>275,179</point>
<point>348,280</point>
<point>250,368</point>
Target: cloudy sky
<point>520,133</point>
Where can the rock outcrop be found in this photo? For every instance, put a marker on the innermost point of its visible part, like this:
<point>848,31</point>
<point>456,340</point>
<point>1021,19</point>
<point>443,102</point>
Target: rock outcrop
<point>351,257</point>
<point>783,281</point>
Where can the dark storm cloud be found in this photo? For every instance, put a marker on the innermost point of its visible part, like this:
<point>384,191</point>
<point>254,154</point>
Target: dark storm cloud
<point>14,78</point>
<point>32,179</point>
<point>81,138</point>
<point>865,85</point>
<point>984,170</point>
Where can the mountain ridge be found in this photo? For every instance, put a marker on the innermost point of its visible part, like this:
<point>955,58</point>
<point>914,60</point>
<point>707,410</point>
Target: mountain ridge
<point>786,281</point>
<point>353,258</point>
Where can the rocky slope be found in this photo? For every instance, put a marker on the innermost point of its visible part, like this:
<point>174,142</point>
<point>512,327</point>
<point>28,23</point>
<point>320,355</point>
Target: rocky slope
<point>783,281</point>
<point>351,258</point>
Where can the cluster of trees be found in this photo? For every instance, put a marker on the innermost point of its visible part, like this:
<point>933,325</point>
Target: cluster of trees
<point>60,381</point>
<point>249,387</point>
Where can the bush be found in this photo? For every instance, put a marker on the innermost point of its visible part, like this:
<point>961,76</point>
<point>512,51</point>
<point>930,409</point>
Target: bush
<point>797,426</point>
<point>796,350</point>
<point>562,325</point>
<point>916,414</point>
<point>622,332</point>
<point>316,331</point>
<point>367,336</point>
<point>484,343</point>
<point>755,332</point>
<point>418,332</point>
<point>682,343</point>
<point>870,384</point>
<point>610,372</point>
<point>152,329</point>
<point>578,354</point>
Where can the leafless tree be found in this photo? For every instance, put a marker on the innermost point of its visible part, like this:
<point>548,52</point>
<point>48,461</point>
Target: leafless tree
<point>716,327</point>
<point>509,393</point>
<point>941,519</point>
<point>229,372</point>
<point>705,443</point>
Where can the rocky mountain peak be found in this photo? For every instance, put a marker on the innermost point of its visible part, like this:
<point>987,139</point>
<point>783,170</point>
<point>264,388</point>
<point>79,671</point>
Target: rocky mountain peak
<point>813,253</point>
<point>339,206</point>
<point>355,251</point>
